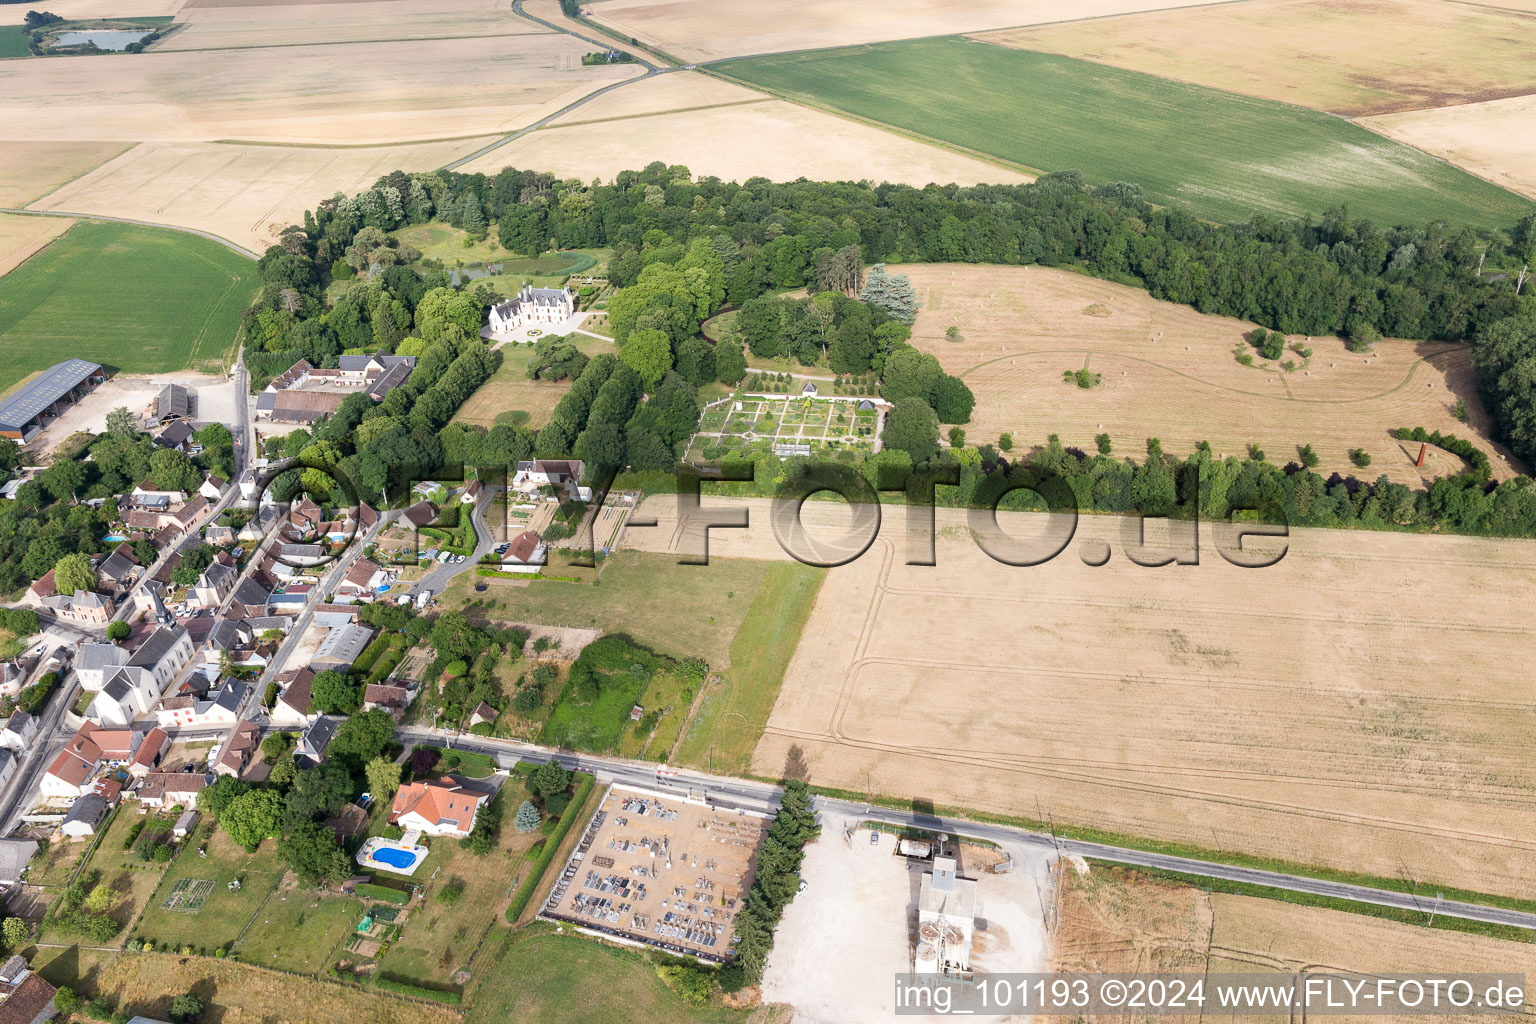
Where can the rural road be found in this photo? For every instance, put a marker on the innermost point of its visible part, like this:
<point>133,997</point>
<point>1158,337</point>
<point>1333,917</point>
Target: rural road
<point>517,6</point>
<point>765,796</point>
<point>242,250</point>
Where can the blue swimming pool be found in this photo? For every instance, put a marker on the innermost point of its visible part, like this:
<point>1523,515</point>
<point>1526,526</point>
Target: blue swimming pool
<point>394,856</point>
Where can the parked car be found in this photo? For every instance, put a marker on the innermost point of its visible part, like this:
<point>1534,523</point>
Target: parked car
<point>874,839</point>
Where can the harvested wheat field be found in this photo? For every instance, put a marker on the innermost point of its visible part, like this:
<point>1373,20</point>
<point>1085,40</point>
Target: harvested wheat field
<point>1169,372</point>
<point>661,94</point>
<point>20,237</point>
<point>75,9</point>
<point>701,30</point>
<point>1350,706</point>
<point>1346,56</point>
<point>31,169</point>
<point>777,140</point>
<point>361,93</point>
<point>1493,140</point>
<point>246,194</point>
<point>314,24</point>
<point>1115,920</point>
<point>239,994</point>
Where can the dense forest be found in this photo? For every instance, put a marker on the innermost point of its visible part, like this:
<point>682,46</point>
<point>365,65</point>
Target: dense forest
<point>683,249</point>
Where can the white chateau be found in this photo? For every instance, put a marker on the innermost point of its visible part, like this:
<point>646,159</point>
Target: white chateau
<point>533,307</point>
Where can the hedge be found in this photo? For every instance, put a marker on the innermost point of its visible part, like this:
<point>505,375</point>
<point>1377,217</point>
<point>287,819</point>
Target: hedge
<point>383,893</point>
<point>551,846</point>
<point>405,988</point>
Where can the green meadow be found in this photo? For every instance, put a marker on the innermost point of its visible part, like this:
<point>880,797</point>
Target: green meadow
<point>1220,155</point>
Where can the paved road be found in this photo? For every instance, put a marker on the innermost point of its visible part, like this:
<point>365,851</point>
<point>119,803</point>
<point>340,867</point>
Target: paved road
<point>440,575</point>
<point>650,70</point>
<point>757,795</point>
<point>226,243</point>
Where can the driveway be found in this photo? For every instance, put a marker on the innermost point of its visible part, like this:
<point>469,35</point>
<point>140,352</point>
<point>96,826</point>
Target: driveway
<point>438,577</point>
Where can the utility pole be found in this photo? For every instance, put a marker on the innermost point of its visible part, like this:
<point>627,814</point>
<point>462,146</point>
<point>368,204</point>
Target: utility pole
<point>1438,897</point>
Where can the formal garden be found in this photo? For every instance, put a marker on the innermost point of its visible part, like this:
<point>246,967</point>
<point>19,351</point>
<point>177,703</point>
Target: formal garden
<point>747,422</point>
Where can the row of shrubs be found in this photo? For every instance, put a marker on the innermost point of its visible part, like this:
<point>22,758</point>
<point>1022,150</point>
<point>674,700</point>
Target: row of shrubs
<point>405,988</point>
<point>1481,468</point>
<point>531,883</point>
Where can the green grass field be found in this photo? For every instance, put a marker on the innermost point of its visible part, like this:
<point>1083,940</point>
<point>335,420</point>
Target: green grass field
<point>13,41</point>
<point>226,911</point>
<point>1220,155</point>
<point>141,300</point>
<point>730,720</point>
<point>545,976</point>
<point>297,930</point>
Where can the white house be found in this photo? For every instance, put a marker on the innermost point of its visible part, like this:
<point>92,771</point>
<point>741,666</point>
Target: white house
<point>7,765</point>
<point>221,707</point>
<point>533,307</point>
<point>94,662</point>
<point>18,732</point>
<point>212,487</point>
<point>164,789</point>
<point>84,817</point>
<point>89,750</point>
<point>135,688</point>
<point>215,584</point>
<point>438,807</point>
<point>363,579</point>
<point>293,704</point>
<point>561,474</point>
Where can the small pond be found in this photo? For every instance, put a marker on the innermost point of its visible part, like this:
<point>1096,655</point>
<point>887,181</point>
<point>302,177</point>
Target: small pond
<point>105,39</point>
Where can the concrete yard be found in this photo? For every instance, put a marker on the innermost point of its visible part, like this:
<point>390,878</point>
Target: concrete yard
<point>842,942</point>
<point>214,401</point>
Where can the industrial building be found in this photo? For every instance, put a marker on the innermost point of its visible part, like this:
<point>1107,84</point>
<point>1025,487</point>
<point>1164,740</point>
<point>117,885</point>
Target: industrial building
<point>38,401</point>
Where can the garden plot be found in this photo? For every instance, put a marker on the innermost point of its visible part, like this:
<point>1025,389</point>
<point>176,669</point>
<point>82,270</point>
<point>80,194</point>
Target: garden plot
<point>785,426</point>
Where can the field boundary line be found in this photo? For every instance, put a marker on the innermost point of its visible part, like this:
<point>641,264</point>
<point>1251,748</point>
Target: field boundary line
<point>234,246</point>
<point>350,145</point>
<point>661,113</point>
<point>74,178</point>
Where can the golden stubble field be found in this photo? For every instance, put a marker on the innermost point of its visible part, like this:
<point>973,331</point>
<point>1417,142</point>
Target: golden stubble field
<point>1494,139</point>
<point>701,30</point>
<point>312,24</point>
<point>1169,372</point>
<point>716,128</point>
<point>360,93</point>
<point>1356,705</point>
<point>246,194</point>
<point>1116,920</point>
<point>1346,56</point>
<point>21,236</point>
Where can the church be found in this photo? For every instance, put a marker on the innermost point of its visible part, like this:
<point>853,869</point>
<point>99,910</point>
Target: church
<point>533,307</point>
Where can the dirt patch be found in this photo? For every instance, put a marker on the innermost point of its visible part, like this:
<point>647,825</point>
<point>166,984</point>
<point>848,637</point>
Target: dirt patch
<point>1346,56</point>
<point>246,194</point>
<point>1492,140</point>
<point>777,140</point>
<point>1171,373</point>
<point>214,402</point>
<point>700,30</point>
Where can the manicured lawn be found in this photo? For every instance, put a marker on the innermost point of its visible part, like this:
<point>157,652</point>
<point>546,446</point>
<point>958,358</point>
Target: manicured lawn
<point>509,388</point>
<point>298,930</point>
<point>134,299</point>
<point>542,975</point>
<point>731,718</point>
<point>1218,154</point>
<point>226,911</point>
<point>13,40</point>
<point>438,938</point>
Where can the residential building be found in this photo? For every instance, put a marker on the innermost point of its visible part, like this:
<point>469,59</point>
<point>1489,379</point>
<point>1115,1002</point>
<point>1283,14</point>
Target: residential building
<point>25,998</point>
<point>211,487</point>
<point>135,688</point>
<point>526,553</point>
<point>390,698</point>
<point>238,750</point>
<point>215,584</point>
<point>220,707</point>
<point>15,855</point>
<point>418,515</point>
<point>564,475</point>
<point>438,807</point>
<point>7,765</point>
<point>363,579</point>
<point>118,570</point>
<point>151,750</point>
<point>18,732</point>
<point>167,789</point>
<point>532,307</point>
<point>250,599</point>
<point>83,607</point>
<point>293,704</point>
<point>483,714</point>
<point>84,817</point>
<point>176,436</point>
<point>315,740</point>
<point>305,393</point>
<point>89,750</point>
<point>94,662</point>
